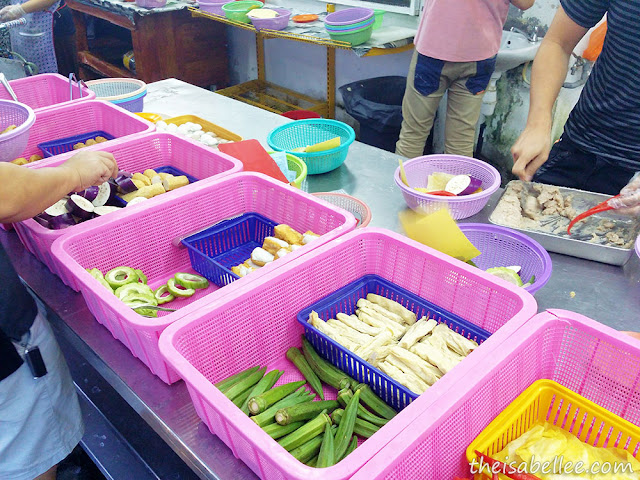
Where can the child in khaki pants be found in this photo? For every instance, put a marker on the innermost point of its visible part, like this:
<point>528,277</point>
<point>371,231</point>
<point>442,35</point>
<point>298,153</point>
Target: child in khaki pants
<point>456,47</point>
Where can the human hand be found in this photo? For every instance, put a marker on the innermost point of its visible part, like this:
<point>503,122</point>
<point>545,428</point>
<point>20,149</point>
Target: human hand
<point>628,202</point>
<point>90,168</point>
<point>11,12</point>
<point>530,152</point>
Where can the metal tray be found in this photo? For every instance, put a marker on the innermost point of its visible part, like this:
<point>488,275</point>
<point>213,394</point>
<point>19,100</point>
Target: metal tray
<point>566,245</point>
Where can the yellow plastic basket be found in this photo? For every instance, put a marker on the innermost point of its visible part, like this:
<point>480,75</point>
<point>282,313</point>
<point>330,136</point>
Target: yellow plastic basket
<point>548,401</point>
<point>206,125</point>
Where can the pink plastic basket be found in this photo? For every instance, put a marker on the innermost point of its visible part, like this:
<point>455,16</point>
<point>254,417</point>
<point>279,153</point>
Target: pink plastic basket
<point>142,238</point>
<point>502,247</point>
<point>256,324</point>
<point>589,358</point>
<point>135,154</point>
<point>14,141</point>
<point>277,23</point>
<point>74,118</point>
<point>47,90</point>
<point>464,206</point>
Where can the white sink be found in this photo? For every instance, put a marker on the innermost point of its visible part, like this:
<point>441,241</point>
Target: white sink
<point>515,49</point>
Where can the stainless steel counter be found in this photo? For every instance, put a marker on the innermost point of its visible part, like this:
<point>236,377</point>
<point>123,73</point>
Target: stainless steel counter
<point>603,292</point>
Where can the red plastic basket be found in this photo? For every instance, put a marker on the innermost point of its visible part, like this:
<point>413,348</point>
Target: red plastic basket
<point>587,357</point>
<point>47,90</point>
<point>133,155</point>
<point>256,324</point>
<point>67,120</point>
<point>107,242</point>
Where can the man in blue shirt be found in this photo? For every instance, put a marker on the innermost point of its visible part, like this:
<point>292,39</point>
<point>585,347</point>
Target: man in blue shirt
<point>40,420</point>
<point>600,147</point>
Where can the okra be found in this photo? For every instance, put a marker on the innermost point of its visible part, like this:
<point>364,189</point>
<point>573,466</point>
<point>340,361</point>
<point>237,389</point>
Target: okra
<point>345,428</point>
<point>265,383</point>
<point>238,400</point>
<point>268,416</point>
<point>353,444</point>
<point>276,430</point>
<point>323,369</point>
<point>313,462</point>
<point>227,382</point>
<point>345,395</point>
<point>374,402</point>
<point>260,403</point>
<point>326,457</point>
<point>297,358</point>
<point>305,433</point>
<point>305,411</point>
<point>361,428</point>
<point>308,450</point>
<point>237,388</point>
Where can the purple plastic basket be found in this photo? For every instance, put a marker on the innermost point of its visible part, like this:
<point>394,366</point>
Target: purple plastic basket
<point>278,23</point>
<point>464,206</point>
<point>349,16</point>
<point>502,247</point>
<point>151,3</point>
<point>213,7</point>
<point>134,105</point>
<point>13,143</point>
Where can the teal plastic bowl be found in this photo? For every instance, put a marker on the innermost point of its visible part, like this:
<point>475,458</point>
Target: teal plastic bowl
<point>237,11</point>
<point>350,28</point>
<point>354,38</point>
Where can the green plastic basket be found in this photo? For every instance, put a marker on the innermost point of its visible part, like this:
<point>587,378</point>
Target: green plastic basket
<point>354,38</point>
<point>296,165</point>
<point>237,11</point>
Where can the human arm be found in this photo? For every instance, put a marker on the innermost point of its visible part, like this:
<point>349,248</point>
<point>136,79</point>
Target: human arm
<point>523,4</point>
<point>531,150</point>
<point>25,192</point>
<point>13,12</point>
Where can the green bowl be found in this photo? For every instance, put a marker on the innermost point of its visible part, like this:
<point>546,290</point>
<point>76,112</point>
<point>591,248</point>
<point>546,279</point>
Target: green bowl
<point>237,11</point>
<point>295,164</point>
<point>378,19</point>
<point>354,38</point>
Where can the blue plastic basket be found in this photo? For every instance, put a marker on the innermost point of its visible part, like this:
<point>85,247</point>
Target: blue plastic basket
<point>344,301</point>
<point>226,244</point>
<point>302,133</point>
<point>119,202</point>
<point>64,145</point>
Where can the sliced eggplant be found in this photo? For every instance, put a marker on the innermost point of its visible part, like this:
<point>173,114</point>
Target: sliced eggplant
<point>463,185</point>
<point>90,193</point>
<point>125,184</point>
<point>62,221</point>
<point>104,210</point>
<point>103,195</point>
<point>58,208</point>
<point>80,207</point>
<point>135,201</point>
<point>43,219</point>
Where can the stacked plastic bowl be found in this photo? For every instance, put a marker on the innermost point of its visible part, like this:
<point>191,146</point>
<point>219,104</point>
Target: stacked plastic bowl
<point>351,25</point>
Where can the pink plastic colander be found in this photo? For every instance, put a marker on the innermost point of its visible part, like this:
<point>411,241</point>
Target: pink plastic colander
<point>463,206</point>
<point>47,90</point>
<point>142,238</point>
<point>79,117</point>
<point>585,356</point>
<point>256,324</point>
<point>135,154</point>
<point>14,141</point>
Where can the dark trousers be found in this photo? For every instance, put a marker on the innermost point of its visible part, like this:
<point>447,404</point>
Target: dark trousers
<point>569,166</point>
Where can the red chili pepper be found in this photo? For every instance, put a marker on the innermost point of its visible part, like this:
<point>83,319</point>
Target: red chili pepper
<point>443,193</point>
<point>505,469</point>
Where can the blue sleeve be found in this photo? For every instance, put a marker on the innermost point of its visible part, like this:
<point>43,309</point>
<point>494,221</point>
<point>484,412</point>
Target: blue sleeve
<point>585,13</point>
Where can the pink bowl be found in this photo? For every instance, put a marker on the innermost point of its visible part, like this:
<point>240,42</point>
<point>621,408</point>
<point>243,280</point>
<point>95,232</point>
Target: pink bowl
<point>349,16</point>
<point>278,23</point>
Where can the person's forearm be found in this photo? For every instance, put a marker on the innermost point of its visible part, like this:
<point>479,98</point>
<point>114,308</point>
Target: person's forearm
<point>547,77</point>
<point>37,5</point>
<point>26,192</point>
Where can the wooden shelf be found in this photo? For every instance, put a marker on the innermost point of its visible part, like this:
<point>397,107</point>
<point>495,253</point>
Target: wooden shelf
<point>98,64</point>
